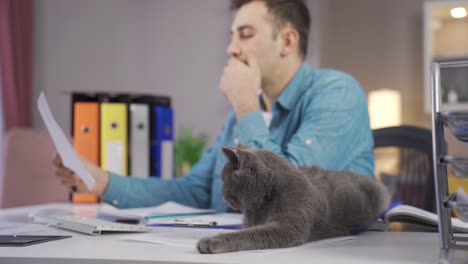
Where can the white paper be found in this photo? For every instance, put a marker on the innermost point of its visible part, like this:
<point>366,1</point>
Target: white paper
<point>462,206</point>
<point>318,243</point>
<point>64,148</point>
<point>164,209</point>
<point>188,238</point>
<point>462,197</point>
<point>176,236</point>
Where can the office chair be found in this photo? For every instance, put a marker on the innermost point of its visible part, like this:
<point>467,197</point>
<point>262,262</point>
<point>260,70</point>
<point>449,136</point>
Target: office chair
<point>28,175</point>
<point>403,162</point>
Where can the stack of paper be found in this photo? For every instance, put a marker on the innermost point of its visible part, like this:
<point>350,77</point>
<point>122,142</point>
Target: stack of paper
<point>167,209</point>
<point>462,205</point>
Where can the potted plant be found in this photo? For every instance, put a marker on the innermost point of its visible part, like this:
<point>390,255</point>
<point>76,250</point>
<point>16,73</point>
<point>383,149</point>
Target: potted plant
<point>188,150</point>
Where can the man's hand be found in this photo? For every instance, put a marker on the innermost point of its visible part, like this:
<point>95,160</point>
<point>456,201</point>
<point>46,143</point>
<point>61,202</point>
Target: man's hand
<point>70,179</point>
<point>240,84</point>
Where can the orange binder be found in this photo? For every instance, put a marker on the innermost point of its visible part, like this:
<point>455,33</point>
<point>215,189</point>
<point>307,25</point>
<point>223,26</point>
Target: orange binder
<point>86,140</point>
<point>86,130</point>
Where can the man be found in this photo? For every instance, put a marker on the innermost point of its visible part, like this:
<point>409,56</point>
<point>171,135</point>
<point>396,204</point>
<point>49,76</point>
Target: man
<point>312,117</point>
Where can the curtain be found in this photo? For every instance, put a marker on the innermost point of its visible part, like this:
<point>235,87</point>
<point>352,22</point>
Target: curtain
<point>16,61</point>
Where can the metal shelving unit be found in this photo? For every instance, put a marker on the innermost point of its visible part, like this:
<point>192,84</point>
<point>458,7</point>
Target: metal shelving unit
<point>458,124</point>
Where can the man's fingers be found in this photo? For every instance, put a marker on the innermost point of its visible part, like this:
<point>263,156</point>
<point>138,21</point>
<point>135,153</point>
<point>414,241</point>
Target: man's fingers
<point>63,170</point>
<point>251,61</point>
<point>57,161</point>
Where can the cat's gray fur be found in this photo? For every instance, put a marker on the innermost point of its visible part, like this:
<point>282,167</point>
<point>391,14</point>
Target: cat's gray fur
<point>286,206</point>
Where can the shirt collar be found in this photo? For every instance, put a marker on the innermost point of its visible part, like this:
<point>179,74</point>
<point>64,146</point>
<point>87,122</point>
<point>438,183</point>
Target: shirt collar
<point>292,93</point>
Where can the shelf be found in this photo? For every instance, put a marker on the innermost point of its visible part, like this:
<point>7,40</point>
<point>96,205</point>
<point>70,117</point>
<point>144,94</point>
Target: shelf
<point>458,123</point>
<point>454,107</point>
<point>450,56</point>
<point>462,209</point>
<point>459,164</point>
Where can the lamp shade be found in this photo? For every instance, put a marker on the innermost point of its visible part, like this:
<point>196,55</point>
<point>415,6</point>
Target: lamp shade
<point>384,108</point>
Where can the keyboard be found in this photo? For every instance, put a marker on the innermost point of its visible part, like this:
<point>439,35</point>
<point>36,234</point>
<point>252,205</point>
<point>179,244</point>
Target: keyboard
<point>85,224</point>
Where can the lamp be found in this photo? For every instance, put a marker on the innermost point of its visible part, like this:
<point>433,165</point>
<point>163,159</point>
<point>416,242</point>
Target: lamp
<point>385,111</point>
<point>384,108</point>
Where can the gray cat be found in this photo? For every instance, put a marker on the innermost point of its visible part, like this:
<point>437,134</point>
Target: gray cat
<point>285,206</point>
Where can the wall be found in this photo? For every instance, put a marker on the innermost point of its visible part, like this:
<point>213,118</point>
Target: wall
<point>177,47</point>
<point>451,37</point>
<point>172,47</point>
<point>380,43</point>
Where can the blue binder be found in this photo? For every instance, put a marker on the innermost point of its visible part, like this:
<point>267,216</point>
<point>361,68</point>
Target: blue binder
<point>162,147</point>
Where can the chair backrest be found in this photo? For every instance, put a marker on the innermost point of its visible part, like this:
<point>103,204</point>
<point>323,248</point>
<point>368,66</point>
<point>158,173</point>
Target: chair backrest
<point>28,176</point>
<point>403,161</point>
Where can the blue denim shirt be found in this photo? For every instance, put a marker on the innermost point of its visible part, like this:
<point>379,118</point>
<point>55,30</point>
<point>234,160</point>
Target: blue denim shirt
<point>321,118</point>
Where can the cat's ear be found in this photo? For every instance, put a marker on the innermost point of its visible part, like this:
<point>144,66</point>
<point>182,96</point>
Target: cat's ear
<point>232,154</point>
<point>243,146</point>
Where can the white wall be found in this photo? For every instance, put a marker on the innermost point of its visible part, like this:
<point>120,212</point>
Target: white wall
<point>172,47</point>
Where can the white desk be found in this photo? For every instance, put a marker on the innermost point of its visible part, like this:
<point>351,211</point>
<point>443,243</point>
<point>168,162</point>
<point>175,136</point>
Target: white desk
<point>370,247</point>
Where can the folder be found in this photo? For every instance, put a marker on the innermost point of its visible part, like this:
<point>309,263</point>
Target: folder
<point>114,134</point>
<point>86,130</point>
<point>139,140</point>
<point>162,147</point>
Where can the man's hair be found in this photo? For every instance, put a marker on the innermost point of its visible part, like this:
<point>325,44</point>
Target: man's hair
<point>284,12</point>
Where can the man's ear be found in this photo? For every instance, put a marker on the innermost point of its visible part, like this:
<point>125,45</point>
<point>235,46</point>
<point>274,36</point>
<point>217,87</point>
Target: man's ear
<point>290,41</point>
<point>232,155</point>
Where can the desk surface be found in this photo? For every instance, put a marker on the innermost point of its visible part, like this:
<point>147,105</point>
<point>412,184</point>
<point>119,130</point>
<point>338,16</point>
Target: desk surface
<point>369,247</point>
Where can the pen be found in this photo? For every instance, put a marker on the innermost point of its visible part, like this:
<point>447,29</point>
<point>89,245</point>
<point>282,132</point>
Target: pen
<point>179,222</point>
<point>173,215</point>
<point>232,227</point>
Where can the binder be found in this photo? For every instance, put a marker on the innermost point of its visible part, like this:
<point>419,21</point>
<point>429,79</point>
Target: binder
<point>162,147</point>
<point>86,130</point>
<point>114,156</point>
<point>139,140</point>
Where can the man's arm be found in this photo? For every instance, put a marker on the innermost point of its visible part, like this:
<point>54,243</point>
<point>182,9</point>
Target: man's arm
<point>194,189</point>
<point>333,129</point>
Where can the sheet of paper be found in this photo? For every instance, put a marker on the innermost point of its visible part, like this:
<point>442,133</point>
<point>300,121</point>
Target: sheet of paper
<point>318,243</point>
<point>14,228</point>
<point>188,238</point>
<point>165,209</point>
<point>175,236</point>
<point>462,197</point>
<point>462,205</point>
<point>64,148</point>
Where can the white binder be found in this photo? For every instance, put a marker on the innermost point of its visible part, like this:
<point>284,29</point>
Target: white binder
<point>139,140</point>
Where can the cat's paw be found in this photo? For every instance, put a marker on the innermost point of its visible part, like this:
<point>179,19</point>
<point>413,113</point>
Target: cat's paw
<point>210,245</point>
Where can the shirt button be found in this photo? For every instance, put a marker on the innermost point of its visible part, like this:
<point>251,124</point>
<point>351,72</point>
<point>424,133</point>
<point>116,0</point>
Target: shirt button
<point>115,202</point>
<point>236,141</point>
<point>308,141</point>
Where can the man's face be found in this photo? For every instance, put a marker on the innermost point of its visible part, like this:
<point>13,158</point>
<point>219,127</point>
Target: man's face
<point>252,33</point>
